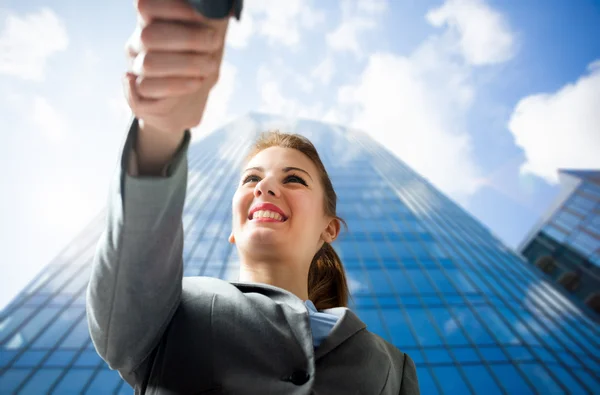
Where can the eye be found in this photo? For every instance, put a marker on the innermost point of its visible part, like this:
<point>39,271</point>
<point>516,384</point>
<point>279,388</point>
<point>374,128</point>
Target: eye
<point>249,178</point>
<point>290,178</point>
<point>296,178</point>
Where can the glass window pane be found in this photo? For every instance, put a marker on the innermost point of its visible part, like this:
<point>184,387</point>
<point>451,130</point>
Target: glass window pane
<point>60,358</point>
<point>587,379</point>
<point>481,380</point>
<point>58,328</point>
<point>13,320</point>
<point>424,328</point>
<point>567,379</point>
<point>88,358</point>
<point>30,359</point>
<point>384,250</point>
<point>465,355</point>
<point>74,381</point>
<point>41,381</point>
<point>518,353</point>
<point>105,382</point>
<point>125,389</point>
<point>33,327</point>
<point>493,354</point>
<point>437,355</point>
<point>512,380</point>
<point>400,281</point>
<point>441,281</point>
<point>426,383</point>
<point>453,382</point>
<point>379,282</point>
<point>541,379</point>
<point>79,334</point>
<point>399,330</point>
<point>451,328</point>
<point>472,326</point>
<point>10,380</point>
<point>460,281</point>
<point>421,282</point>
<point>496,325</point>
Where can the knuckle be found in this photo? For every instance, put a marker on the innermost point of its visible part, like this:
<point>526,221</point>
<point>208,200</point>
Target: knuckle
<point>147,62</point>
<point>142,5</point>
<point>142,85</point>
<point>148,35</point>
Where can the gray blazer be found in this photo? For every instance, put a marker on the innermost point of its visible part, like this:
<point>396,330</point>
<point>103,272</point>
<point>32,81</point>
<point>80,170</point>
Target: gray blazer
<point>167,334</point>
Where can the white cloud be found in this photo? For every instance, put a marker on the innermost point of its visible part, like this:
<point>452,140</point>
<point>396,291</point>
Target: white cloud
<point>484,35</point>
<point>218,110</point>
<point>47,120</point>
<point>417,105</point>
<point>345,36</point>
<point>119,109</point>
<point>324,70</point>
<point>357,18</point>
<point>240,32</point>
<point>413,106</point>
<point>561,129</point>
<point>276,101</point>
<point>27,42</point>
<point>281,22</point>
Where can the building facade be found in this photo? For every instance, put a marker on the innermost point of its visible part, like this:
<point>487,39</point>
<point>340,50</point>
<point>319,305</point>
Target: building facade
<point>423,274</point>
<point>565,244</point>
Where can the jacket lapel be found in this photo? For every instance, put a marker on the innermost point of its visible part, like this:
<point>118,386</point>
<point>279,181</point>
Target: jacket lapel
<point>298,320</point>
<point>348,325</point>
<point>293,310</point>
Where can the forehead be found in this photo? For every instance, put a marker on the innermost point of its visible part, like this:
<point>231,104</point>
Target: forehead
<point>275,158</point>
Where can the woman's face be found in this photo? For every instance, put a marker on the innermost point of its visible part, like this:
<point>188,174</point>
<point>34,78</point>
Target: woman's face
<point>289,181</point>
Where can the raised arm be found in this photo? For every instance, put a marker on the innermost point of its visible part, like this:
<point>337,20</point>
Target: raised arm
<point>174,58</point>
<point>135,285</point>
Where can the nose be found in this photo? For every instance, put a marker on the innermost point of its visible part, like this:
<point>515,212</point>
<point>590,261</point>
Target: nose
<point>267,185</point>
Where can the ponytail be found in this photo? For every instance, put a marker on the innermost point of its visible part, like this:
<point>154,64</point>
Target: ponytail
<point>327,286</point>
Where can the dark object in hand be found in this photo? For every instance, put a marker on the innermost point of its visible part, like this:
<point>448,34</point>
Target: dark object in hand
<point>218,9</point>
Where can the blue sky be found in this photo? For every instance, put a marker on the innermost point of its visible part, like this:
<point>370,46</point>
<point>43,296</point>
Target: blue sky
<point>486,99</point>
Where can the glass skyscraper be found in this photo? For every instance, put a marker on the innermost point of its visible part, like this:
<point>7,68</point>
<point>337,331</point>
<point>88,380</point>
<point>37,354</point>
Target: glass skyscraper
<point>424,274</point>
<point>566,243</point>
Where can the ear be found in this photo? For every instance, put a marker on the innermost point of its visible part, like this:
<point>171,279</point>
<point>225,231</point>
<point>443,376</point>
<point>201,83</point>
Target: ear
<point>232,238</point>
<point>332,231</point>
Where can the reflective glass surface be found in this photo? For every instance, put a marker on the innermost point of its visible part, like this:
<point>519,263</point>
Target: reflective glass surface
<point>423,273</point>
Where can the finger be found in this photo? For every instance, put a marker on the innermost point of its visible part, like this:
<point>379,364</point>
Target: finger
<point>159,88</point>
<point>174,64</point>
<point>173,10</point>
<point>136,102</point>
<point>169,36</point>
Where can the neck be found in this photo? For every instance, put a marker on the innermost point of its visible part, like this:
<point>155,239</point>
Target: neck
<point>291,277</point>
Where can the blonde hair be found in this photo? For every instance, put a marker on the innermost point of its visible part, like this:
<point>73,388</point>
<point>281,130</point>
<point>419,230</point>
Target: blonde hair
<point>327,285</point>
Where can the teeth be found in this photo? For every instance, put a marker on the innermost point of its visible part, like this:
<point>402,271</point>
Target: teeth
<point>267,214</point>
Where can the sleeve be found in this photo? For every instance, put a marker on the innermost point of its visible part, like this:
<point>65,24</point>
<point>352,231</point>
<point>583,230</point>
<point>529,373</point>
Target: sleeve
<point>137,270</point>
<point>409,385</point>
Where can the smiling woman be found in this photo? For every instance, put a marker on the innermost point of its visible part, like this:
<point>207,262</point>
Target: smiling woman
<point>284,326</point>
<point>286,179</point>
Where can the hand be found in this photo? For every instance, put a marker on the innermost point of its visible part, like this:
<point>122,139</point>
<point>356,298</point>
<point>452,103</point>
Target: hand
<point>174,58</point>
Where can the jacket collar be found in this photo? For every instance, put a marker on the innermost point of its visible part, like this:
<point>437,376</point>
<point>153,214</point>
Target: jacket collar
<point>347,325</point>
<point>298,321</point>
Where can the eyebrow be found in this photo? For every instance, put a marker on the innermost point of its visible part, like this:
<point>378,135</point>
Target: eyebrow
<point>285,170</point>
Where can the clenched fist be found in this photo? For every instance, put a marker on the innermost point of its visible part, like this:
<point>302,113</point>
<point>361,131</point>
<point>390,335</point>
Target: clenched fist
<point>174,57</point>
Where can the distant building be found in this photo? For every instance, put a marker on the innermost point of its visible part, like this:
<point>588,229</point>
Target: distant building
<point>566,243</point>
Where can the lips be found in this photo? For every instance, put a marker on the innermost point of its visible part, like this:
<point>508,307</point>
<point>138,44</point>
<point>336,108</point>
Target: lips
<point>269,207</point>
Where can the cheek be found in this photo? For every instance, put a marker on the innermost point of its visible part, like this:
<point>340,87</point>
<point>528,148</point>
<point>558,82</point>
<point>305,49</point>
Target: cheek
<point>308,210</point>
<point>240,204</point>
